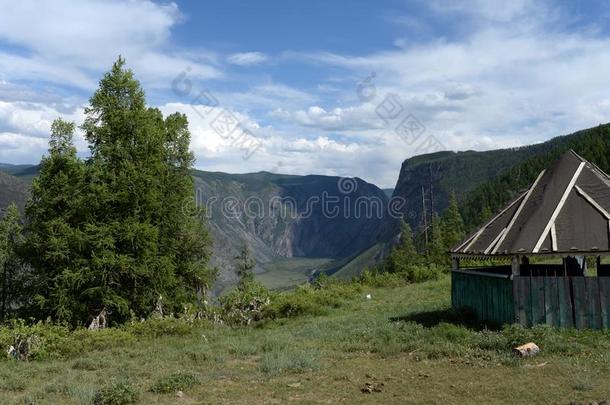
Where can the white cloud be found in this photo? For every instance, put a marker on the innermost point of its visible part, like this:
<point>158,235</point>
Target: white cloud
<point>502,74</point>
<point>70,42</point>
<point>247,58</point>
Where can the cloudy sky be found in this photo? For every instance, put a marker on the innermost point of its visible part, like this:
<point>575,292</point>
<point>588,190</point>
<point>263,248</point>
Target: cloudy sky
<point>347,88</point>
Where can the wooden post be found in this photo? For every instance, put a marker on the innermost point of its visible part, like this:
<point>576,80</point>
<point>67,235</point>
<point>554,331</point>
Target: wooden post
<point>455,263</point>
<point>598,264</point>
<point>515,271</point>
<point>516,266</point>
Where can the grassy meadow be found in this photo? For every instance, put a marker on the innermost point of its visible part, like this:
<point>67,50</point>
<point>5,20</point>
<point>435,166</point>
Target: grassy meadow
<point>401,346</point>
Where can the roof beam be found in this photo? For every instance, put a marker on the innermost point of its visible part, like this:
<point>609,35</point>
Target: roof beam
<point>591,201</point>
<point>559,207</point>
<point>514,219</point>
<point>495,241</point>
<point>470,241</point>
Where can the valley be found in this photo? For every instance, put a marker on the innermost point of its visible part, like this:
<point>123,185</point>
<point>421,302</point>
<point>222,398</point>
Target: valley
<point>299,226</point>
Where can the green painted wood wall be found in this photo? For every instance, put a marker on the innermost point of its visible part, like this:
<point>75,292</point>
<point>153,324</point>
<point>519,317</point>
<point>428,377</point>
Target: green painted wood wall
<point>565,302</point>
<point>490,297</point>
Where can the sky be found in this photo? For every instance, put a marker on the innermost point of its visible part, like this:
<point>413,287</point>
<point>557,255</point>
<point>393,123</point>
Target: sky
<point>347,88</point>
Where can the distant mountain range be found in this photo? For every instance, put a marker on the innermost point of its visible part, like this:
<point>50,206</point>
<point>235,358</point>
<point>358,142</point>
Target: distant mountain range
<point>292,235</point>
<point>279,217</point>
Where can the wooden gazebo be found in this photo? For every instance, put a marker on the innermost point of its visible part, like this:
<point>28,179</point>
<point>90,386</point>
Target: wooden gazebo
<point>564,214</point>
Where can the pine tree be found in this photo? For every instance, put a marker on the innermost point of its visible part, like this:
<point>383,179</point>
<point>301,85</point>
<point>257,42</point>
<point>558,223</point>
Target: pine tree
<point>53,245</point>
<point>245,265</point>
<point>452,224</point>
<point>486,215</point>
<point>404,256</point>
<point>11,240</point>
<point>437,254</point>
<point>111,233</point>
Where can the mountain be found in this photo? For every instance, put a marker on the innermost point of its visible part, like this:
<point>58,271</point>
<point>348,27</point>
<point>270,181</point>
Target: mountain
<point>12,189</point>
<point>290,217</point>
<point>593,144</point>
<point>293,225</point>
<point>297,226</point>
<point>439,174</point>
<point>482,181</point>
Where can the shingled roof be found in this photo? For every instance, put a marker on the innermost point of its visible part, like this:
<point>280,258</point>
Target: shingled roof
<point>566,210</point>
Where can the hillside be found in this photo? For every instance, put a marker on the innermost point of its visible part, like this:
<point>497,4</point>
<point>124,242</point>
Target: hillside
<point>480,180</point>
<point>593,144</point>
<point>341,242</point>
<point>278,216</point>
<point>403,342</point>
<point>283,216</point>
<point>12,189</point>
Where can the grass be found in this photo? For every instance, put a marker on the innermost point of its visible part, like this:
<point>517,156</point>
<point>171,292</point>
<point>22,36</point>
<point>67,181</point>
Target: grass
<point>403,342</point>
<point>284,274</point>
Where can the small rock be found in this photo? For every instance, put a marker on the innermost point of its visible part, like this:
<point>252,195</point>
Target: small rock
<point>527,350</point>
<point>294,385</point>
<point>180,394</point>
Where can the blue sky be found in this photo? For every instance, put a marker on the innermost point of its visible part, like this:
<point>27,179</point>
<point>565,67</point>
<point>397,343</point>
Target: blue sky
<point>347,88</point>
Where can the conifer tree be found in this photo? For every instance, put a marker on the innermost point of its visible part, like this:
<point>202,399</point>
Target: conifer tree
<point>111,233</point>
<point>11,270</point>
<point>486,215</point>
<point>452,224</point>
<point>404,256</point>
<point>437,254</point>
<point>245,265</point>
<point>54,241</point>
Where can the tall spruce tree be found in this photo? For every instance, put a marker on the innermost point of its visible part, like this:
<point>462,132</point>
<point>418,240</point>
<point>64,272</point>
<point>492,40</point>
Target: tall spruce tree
<point>452,224</point>
<point>404,256</point>
<point>245,265</point>
<point>437,253</point>
<point>54,240</point>
<point>11,269</point>
<point>125,239</point>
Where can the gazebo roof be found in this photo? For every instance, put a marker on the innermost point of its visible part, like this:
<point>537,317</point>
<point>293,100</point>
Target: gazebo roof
<point>565,211</point>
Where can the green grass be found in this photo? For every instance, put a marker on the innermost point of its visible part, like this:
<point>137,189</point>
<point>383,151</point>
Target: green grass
<point>404,338</point>
<point>285,274</point>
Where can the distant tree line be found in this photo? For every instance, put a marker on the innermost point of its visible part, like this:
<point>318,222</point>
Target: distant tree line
<point>416,257</point>
<point>592,144</point>
<point>109,231</point>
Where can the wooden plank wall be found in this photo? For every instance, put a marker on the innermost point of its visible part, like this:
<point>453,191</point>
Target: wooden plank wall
<point>581,302</point>
<point>490,297</point>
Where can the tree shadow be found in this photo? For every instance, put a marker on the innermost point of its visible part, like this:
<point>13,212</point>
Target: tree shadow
<point>463,317</point>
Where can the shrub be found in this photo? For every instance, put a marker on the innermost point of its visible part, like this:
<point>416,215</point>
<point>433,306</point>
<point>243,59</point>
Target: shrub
<point>117,393</point>
<point>178,381</point>
<point>37,341</point>
<point>245,304</point>
<point>309,300</point>
<point>376,279</point>
<point>157,327</point>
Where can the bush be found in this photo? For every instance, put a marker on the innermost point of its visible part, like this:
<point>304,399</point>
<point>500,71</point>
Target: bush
<point>310,300</point>
<point>35,342</point>
<point>157,327</point>
<point>245,304</point>
<point>178,381</point>
<point>117,393</point>
<point>376,279</point>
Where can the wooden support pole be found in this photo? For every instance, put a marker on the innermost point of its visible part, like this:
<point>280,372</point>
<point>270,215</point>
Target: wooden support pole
<point>516,266</point>
<point>455,263</point>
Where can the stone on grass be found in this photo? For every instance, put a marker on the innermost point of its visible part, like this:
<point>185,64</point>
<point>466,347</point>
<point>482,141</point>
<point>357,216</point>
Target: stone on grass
<point>527,350</point>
